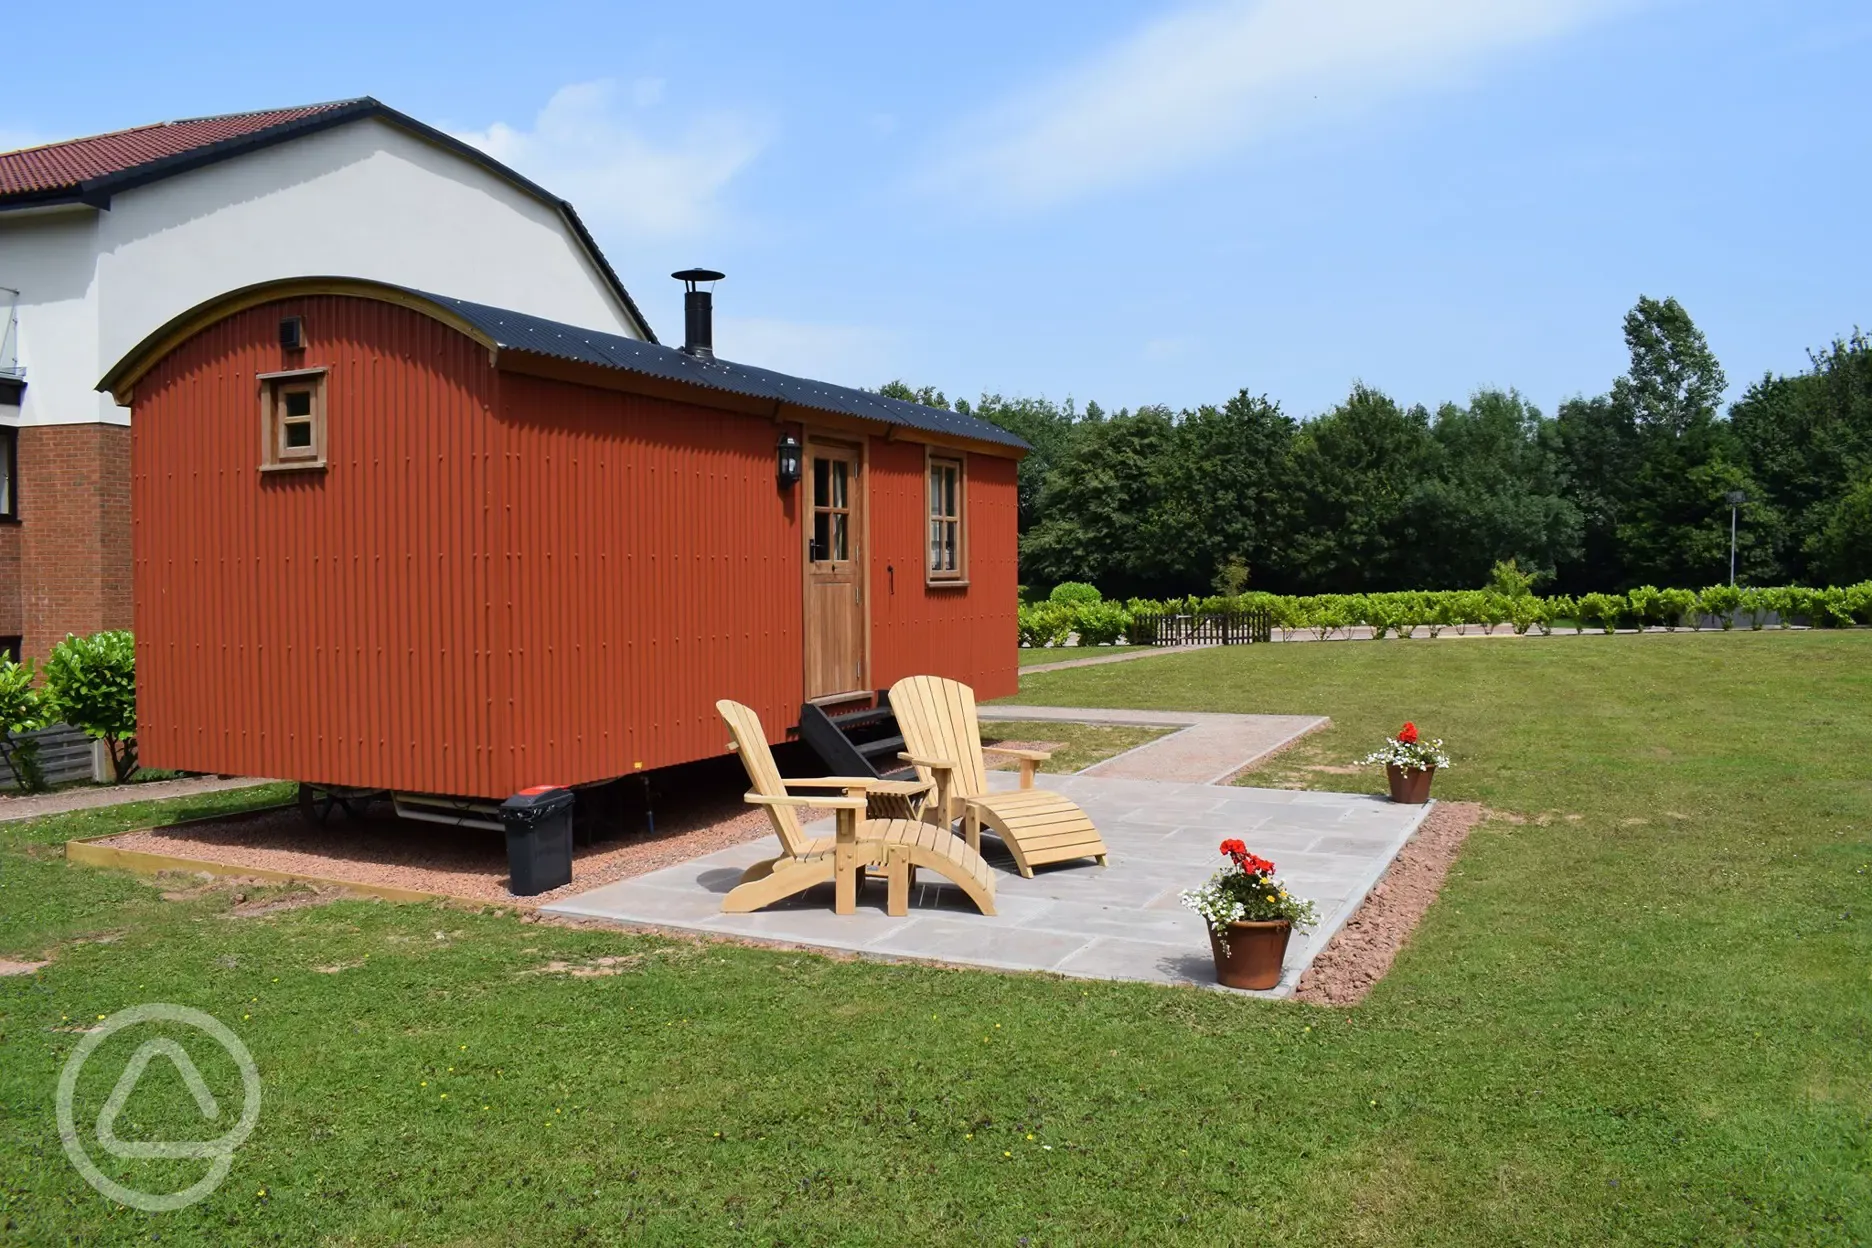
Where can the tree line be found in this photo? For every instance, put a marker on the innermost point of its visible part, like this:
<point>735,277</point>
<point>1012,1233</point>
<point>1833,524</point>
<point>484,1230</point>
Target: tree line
<point>1626,488</point>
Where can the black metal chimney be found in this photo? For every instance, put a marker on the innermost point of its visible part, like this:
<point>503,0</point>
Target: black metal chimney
<point>698,312</point>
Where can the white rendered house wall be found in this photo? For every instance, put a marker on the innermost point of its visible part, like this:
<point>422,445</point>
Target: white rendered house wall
<point>361,200</point>
<point>50,257</point>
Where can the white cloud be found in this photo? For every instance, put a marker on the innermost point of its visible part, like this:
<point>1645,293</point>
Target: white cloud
<point>580,147</point>
<point>1205,81</point>
<point>850,355</point>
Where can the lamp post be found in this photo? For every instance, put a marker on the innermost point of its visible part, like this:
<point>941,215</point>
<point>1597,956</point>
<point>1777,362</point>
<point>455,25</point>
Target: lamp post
<point>1735,498</point>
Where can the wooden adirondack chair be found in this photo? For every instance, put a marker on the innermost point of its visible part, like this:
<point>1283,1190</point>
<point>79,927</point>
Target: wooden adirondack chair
<point>896,846</point>
<point>942,737</point>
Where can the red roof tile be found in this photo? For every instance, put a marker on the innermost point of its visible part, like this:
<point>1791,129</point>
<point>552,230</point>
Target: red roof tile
<point>60,166</point>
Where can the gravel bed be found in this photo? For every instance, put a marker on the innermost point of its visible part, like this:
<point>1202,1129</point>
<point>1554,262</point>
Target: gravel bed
<point>465,863</point>
<point>1355,959</point>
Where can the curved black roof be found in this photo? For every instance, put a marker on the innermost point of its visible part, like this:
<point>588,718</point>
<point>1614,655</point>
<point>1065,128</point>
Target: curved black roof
<point>516,331</point>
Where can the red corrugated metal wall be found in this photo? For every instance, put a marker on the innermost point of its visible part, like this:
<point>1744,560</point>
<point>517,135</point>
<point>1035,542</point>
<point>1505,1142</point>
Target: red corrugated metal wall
<point>967,634</point>
<point>318,626</point>
<point>501,580</point>
<point>650,566</point>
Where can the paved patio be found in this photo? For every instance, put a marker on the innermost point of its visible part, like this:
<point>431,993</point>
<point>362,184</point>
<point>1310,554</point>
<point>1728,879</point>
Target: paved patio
<point>1123,921</point>
<point>1205,748</point>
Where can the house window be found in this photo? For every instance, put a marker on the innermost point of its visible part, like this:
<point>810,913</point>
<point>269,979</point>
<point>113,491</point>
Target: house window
<point>292,420</point>
<point>9,473</point>
<point>12,646</point>
<point>946,551</point>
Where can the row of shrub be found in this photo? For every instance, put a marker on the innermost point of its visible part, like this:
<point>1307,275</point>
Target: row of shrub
<point>87,682</point>
<point>1405,614</point>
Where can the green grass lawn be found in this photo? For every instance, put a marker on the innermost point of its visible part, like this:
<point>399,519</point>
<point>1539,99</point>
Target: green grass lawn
<point>1640,1013</point>
<point>1074,746</point>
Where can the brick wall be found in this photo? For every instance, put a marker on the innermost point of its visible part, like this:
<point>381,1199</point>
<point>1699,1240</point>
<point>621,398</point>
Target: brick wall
<point>12,604</point>
<point>74,532</point>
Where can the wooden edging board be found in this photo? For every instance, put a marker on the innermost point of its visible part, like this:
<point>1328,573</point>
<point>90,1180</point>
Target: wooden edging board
<point>91,853</point>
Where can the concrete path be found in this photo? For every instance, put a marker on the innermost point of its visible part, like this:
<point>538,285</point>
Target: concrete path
<point>1360,632</point>
<point>1205,749</point>
<point>1123,921</point>
<point>1099,659</point>
<point>1363,632</point>
<point>89,797</point>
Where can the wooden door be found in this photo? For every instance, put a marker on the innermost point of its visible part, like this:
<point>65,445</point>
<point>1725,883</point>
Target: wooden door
<point>835,607</point>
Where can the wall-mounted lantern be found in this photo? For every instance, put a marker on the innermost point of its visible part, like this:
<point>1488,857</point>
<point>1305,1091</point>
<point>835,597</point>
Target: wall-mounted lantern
<point>787,460</point>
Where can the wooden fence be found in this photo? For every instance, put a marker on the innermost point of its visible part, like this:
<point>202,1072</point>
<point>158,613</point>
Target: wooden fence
<point>65,754</point>
<point>1219,628</point>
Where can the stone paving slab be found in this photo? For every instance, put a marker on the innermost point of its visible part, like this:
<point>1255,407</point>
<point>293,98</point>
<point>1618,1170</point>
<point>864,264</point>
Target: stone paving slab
<point>1122,921</point>
<point>1205,748</point>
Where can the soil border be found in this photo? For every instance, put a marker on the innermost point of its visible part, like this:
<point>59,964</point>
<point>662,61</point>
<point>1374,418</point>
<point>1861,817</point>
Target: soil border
<point>88,852</point>
<point>1363,949</point>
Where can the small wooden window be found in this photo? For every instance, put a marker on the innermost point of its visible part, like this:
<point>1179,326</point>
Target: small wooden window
<point>948,558</point>
<point>832,511</point>
<point>292,420</point>
<point>9,473</point>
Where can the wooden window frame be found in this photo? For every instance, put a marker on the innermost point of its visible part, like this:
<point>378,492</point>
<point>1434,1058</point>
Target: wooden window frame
<point>274,456</point>
<point>850,510</point>
<point>9,463</point>
<point>958,576</point>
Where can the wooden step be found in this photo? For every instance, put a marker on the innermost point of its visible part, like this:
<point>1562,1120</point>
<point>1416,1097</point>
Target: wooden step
<point>889,747</point>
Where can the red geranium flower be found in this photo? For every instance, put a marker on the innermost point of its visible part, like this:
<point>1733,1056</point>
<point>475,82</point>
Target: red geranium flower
<point>1408,734</point>
<point>1244,861</point>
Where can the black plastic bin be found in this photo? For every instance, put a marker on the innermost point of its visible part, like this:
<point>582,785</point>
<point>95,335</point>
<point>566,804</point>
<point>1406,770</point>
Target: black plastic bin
<point>539,839</point>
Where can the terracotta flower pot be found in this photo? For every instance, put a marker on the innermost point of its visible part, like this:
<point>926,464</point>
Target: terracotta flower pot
<point>1410,787</point>
<point>1254,955</point>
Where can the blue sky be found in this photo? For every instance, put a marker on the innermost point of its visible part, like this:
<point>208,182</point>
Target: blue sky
<point>1116,201</point>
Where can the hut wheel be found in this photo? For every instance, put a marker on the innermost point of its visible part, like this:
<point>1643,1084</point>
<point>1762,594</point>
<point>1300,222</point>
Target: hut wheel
<point>315,805</point>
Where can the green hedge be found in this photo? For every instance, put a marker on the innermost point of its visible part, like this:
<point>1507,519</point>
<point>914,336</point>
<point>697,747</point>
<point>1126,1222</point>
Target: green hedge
<point>1430,612</point>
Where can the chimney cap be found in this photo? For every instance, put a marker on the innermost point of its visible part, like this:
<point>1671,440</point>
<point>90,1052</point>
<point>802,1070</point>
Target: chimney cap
<point>692,276</point>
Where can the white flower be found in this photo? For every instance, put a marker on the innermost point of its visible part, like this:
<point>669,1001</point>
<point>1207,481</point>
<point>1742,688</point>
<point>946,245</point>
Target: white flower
<point>1411,756</point>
